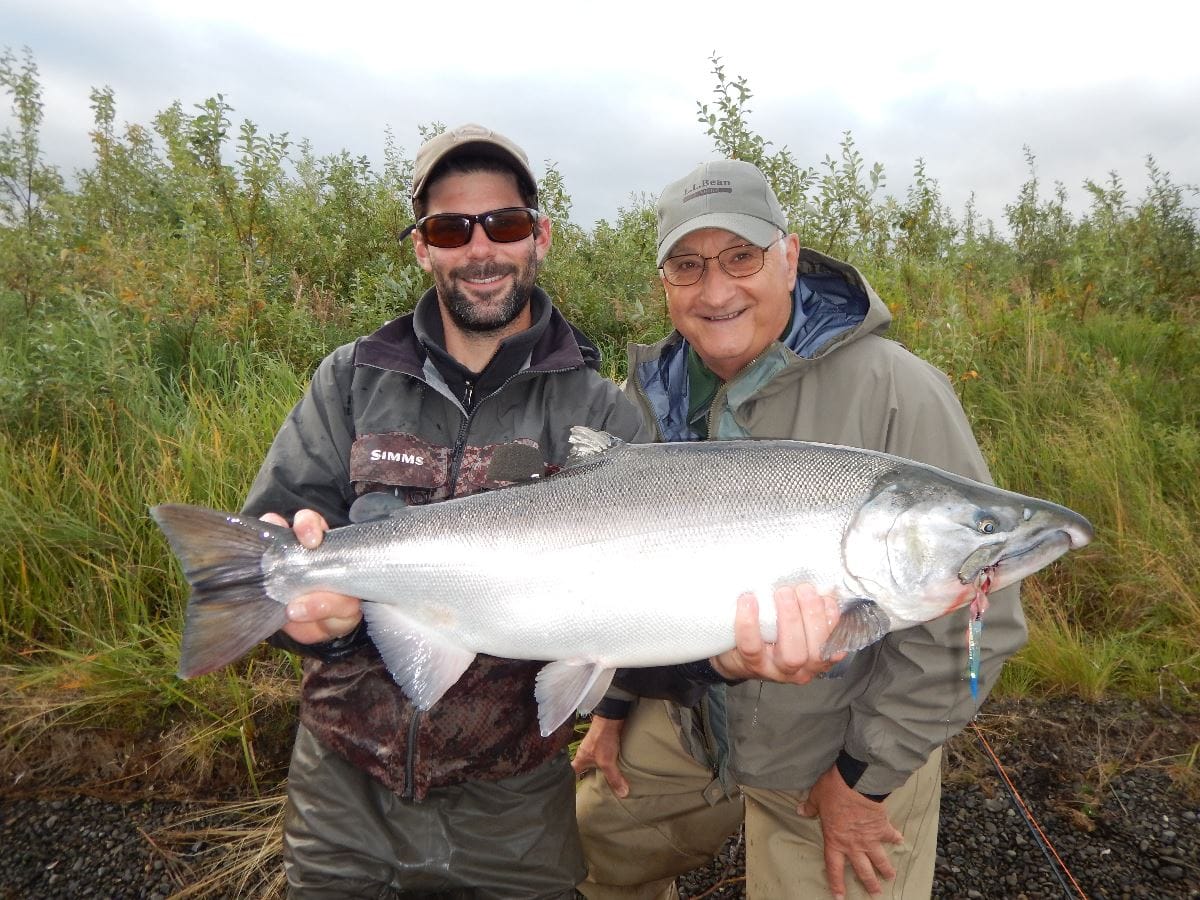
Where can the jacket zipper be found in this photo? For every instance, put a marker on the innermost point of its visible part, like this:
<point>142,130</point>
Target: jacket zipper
<point>723,390</point>
<point>460,443</point>
<point>414,725</point>
<point>706,734</point>
<point>718,398</point>
<point>410,755</point>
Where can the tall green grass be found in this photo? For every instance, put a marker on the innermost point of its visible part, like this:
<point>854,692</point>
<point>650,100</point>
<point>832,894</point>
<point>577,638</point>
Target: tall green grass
<point>90,596</point>
<point>76,490</point>
<point>1086,413</point>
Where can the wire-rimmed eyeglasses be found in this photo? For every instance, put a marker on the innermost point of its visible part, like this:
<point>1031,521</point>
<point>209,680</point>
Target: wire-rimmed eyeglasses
<point>740,261</point>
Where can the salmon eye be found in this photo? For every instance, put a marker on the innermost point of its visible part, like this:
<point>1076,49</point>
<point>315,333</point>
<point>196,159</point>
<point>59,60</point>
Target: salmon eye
<point>987,526</point>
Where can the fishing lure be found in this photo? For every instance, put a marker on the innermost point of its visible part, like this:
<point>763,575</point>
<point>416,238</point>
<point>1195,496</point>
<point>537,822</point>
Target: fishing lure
<point>974,631</point>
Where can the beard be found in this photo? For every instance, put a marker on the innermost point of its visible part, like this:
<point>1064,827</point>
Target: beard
<point>492,313</point>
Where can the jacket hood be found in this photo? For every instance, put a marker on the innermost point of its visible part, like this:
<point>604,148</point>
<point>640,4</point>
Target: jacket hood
<point>833,305</point>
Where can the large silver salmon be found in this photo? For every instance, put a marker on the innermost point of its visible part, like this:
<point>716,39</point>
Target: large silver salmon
<point>632,555</point>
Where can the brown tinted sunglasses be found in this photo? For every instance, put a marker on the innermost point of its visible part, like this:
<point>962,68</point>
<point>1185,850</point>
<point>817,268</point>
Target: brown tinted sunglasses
<point>504,226</point>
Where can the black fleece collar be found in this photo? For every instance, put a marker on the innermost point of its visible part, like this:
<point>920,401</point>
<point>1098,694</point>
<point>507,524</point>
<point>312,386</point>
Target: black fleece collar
<point>403,344</point>
<point>510,356</point>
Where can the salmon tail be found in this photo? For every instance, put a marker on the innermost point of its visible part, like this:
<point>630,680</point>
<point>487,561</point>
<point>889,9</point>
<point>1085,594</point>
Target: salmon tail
<point>229,610</point>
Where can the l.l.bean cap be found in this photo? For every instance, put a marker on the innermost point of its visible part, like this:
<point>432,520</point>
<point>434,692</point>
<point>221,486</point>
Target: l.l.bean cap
<point>726,193</point>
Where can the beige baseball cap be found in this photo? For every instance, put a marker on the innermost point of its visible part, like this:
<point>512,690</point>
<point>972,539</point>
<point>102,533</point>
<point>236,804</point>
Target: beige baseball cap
<point>726,193</point>
<point>475,139</point>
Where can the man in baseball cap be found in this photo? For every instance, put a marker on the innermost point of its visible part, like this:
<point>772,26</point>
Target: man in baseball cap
<point>465,798</point>
<point>838,781</point>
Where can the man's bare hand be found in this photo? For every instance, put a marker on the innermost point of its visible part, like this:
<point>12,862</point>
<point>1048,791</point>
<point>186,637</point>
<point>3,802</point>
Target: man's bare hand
<point>805,619</point>
<point>599,749</point>
<point>855,829</point>
<point>321,615</point>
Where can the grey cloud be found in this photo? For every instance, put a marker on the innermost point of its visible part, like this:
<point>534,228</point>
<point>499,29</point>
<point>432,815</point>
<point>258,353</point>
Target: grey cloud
<point>612,137</point>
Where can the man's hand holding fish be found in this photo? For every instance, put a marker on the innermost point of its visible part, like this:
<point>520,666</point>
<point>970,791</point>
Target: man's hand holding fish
<point>804,619</point>
<point>322,615</point>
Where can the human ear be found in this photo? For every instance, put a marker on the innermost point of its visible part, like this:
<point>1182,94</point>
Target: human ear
<point>421,250</point>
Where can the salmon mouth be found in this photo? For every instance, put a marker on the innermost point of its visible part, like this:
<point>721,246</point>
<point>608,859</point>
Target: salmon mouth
<point>1013,564</point>
<point>1025,560</point>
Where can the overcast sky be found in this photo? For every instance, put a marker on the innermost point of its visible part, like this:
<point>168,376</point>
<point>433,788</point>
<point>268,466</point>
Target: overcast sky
<point>608,91</point>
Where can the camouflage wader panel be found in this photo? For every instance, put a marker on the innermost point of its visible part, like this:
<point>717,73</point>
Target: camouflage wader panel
<point>373,726</point>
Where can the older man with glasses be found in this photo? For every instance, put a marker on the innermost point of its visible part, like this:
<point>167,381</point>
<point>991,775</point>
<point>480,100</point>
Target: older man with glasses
<point>466,799</point>
<point>775,341</point>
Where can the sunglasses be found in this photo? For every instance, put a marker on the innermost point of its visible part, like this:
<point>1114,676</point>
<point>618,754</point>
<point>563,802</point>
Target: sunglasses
<point>503,226</point>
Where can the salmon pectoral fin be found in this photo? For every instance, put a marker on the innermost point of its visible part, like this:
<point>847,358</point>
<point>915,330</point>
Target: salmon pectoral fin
<point>862,622</point>
<point>425,663</point>
<point>229,610</point>
<point>564,687</point>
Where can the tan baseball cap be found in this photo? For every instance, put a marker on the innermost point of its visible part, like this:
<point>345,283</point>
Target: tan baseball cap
<point>469,138</point>
<point>726,193</point>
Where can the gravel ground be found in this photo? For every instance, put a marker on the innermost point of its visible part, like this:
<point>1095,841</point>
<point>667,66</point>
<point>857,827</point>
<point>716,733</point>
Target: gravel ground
<point>84,847</point>
<point>1148,846</point>
<point>1097,778</point>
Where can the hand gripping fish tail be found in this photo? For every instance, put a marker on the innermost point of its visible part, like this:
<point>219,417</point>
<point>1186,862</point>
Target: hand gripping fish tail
<point>644,578</point>
<point>229,611</point>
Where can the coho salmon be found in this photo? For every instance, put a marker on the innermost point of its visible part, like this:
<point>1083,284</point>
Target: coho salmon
<point>632,555</point>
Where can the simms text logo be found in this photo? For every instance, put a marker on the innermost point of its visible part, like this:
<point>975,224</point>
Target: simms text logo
<point>707,186</point>
<point>392,456</point>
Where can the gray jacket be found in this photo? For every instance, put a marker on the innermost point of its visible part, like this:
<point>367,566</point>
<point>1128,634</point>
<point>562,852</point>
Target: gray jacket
<point>835,379</point>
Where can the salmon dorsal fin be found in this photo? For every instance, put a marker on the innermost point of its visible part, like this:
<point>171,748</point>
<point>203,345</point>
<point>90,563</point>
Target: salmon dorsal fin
<point>587,443</point>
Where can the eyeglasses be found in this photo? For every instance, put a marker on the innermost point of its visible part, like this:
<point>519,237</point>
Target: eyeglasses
<point>741,261</point>
<point>504,226</point>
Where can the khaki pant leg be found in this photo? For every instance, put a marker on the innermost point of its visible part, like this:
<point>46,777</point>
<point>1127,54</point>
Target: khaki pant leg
<point>785,854</point>
<point>635,847</point>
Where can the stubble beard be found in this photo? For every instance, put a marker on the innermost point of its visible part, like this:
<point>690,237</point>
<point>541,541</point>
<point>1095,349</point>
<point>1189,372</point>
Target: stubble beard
<point>483,318</point>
